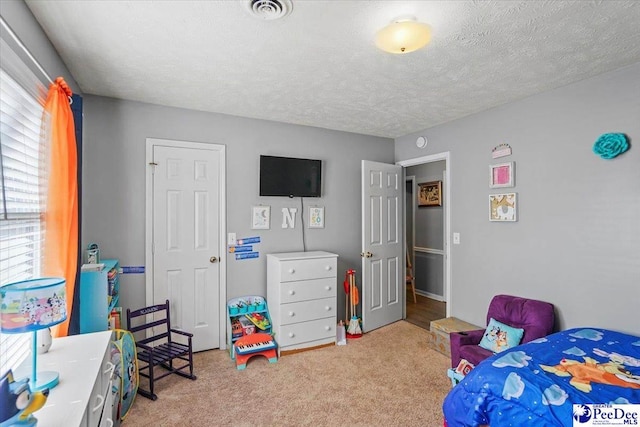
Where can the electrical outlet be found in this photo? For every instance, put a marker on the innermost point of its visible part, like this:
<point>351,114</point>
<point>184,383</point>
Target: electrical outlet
<point>231,240</point>
<point>456,238</point>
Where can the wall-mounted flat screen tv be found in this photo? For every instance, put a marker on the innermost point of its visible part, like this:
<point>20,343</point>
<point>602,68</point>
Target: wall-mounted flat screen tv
<point>291,177</point>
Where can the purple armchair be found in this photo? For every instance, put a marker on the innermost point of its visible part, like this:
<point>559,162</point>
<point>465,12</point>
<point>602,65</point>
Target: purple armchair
<point>535,317</point>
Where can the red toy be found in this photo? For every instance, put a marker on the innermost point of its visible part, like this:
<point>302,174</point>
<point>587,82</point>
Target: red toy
<point>258,344</point>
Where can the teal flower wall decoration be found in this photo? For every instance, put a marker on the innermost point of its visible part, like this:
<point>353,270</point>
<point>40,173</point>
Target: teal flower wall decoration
<point>610,145</point>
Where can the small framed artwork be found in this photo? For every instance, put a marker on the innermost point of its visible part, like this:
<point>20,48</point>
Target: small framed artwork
<point>503,207</point>
<point>260,217</point>
<point>430,194</point>
<point>502,175</point>
<point>316,217</point>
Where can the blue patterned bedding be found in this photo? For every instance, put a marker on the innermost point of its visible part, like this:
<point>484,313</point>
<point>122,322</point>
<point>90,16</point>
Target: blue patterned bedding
<point>536,384</point>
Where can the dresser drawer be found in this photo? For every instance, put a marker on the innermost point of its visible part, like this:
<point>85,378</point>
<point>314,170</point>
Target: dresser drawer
<point>297,333</point>
<point>307,290</point>
<point>96,404</point>
<point>304,269</point>
<point>106,372</point>
<point>307,310</point>
<point>107,411</point>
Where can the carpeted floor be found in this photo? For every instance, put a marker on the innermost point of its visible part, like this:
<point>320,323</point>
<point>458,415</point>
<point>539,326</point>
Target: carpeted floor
<point>389,377</point>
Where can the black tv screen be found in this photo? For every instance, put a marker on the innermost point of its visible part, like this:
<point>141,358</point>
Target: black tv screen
<point>291,177</point>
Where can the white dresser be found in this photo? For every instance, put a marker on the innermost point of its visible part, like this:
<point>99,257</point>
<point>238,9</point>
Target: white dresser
<point>83,396</point>
<point>302,298</point>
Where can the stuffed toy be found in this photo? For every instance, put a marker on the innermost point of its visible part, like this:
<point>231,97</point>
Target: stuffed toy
<point>18,403</point>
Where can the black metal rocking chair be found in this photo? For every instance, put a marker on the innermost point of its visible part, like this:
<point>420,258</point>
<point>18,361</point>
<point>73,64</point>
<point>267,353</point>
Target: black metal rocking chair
<point>152,354</point>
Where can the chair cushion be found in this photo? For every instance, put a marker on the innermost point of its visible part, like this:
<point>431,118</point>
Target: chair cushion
<point>499,336</point>
<point>474,353</point>
<point>535,317</point>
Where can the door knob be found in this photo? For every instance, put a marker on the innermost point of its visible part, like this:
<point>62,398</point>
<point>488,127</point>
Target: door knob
<point>366,254</point>
<point>213,259</point>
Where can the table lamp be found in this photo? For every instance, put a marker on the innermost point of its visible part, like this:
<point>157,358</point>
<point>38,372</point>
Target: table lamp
<point>30,306</point>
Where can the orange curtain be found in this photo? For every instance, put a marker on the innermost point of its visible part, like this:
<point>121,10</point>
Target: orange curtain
<point>61,214</point>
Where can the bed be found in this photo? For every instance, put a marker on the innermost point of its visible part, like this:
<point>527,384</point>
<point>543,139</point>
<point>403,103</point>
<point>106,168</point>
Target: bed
<point>537,383</point>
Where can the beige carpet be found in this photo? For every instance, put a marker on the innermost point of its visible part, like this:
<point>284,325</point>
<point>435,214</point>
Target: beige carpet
<point>389,377</point>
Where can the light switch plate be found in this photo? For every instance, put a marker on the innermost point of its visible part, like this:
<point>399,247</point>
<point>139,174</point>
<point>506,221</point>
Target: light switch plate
<point>456,238</point>
<point>231,240</point>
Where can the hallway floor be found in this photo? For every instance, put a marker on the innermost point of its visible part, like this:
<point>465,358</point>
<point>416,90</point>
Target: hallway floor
<point>426,310</point>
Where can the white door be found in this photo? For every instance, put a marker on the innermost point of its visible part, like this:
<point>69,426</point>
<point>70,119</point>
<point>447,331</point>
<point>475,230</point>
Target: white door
<point>186,212</point>
<point>382,244</point>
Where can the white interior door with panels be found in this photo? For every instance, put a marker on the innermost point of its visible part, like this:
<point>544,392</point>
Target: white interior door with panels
<point>382,244</point>
<point>185,222</point>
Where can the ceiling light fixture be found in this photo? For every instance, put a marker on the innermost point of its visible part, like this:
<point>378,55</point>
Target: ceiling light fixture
<point>403,35</point>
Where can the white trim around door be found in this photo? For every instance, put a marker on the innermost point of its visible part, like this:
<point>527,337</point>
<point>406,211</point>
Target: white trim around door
<point>447,196</point>
<point>222,226</point>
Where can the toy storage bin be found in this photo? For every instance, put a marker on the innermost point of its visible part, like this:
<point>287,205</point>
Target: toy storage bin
<point>439,331</point>
<point>259,304</point>
<point>244,314</point>
<point>247,327</point>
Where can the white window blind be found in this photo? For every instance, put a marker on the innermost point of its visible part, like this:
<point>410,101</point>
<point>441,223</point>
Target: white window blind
<point>22,181</point>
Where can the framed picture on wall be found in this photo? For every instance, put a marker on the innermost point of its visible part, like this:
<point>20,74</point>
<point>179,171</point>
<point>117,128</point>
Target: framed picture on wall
<point>316,217</point>
<point>430,194</point>
<point>502,175</point>
<point>260,217</point>
<point>503,207</point>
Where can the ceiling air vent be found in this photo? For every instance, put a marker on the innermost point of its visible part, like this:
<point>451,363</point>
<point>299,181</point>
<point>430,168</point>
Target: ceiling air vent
<point>269,9</point>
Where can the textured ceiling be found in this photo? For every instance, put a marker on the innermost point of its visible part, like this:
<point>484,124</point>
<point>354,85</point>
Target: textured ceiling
<point>319,66</point>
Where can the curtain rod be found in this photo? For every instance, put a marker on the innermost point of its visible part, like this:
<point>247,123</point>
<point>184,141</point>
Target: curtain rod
<point>24,48</point>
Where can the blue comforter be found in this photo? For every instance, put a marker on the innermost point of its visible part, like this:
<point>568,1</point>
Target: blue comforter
<point>536,384</point>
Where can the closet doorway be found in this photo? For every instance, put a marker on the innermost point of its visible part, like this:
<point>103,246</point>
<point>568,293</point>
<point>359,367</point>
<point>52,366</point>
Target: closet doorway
<point>426,234</point>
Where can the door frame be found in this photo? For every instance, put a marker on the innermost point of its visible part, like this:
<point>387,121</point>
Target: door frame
<point>446,156</point>
<point>222,226</point>
<point>412,213</point>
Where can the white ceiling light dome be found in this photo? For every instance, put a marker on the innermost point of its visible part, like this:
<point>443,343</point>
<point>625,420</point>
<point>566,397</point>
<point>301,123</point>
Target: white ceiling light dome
<point>269,9</point>
<point>403,35</point>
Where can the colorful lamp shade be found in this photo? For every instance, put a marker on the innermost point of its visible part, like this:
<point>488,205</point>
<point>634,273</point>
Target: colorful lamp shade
<point>30,306</point>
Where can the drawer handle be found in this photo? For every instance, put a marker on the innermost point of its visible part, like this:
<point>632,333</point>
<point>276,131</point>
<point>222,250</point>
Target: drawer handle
<point>291,335</point>
<point>110,368</point>
<point>328,288</point>
<point>328,268</point>
<point>100,399</point>
<point>292,270</point>
<point>291,314</point>
<point>327,328</point>
<point>328,308</point>
<point>292,292</point>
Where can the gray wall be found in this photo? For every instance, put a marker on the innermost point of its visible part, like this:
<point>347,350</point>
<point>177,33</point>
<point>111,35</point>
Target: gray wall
<point>429,233</point>
<point>577,239</point>
<point>428,220</point>
<point>18,16</point>
<point>576,243</point>
<point>114,185</point>
<point>114,174</point>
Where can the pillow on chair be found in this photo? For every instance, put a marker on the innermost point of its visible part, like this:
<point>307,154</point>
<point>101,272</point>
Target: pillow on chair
<point>499,337</point>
